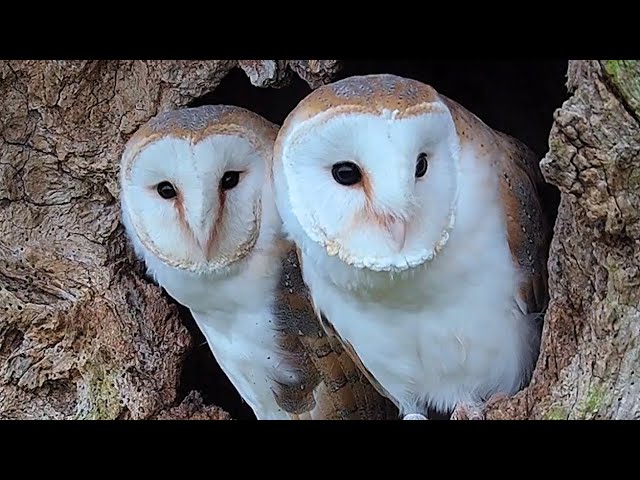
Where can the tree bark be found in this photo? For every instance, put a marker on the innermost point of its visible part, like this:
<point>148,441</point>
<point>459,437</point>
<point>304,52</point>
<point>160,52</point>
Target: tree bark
<point>589,366</point>
<point>82,333</point>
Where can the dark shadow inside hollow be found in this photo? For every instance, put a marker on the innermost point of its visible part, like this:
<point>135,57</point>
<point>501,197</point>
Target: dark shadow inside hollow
<point>272,103</point>
<point>515,97</point>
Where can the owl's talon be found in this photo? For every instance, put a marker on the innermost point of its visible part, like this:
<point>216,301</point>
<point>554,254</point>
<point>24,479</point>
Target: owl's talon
<point>467,411</point>
<point>498,397</point>
<point>473,411</point>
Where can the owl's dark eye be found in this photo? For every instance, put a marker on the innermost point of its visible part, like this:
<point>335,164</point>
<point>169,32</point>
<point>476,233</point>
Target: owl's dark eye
<point>166,190</point>
<point>229,180</point>
<point>346,173</point>
<point>421,165</point>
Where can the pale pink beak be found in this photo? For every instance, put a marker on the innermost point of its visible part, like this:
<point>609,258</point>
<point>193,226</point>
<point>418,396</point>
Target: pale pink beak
<point>205,242</point>
<point>398,231</point>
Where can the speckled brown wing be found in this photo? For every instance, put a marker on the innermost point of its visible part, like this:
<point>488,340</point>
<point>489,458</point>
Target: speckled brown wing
<point>354,360</point>
<point>529,230</point>
<point>521,185</point>
<point>330,384</point>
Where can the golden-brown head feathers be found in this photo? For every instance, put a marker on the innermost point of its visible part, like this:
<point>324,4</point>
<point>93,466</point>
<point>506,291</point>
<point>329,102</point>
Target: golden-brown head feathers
<point>196,124</point>
<point>373,94</point>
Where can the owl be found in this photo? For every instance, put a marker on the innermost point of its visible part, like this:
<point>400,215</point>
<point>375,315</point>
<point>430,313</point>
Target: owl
<point>422,238</point>
<point>198,208</point>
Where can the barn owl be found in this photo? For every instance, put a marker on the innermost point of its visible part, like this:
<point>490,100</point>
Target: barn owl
<point>198,208</point>
<point>422,239</point>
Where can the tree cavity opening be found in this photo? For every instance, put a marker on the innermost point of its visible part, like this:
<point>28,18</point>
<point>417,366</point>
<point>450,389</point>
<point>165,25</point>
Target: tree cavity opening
<point>516,97</point>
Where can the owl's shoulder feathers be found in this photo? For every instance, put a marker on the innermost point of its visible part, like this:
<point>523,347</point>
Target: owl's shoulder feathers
<point>521,186</point>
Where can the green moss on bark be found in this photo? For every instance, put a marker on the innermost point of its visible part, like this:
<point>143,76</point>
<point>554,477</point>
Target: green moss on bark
<point>556,413</point>
<point>104,397</point>
<point>625,75</point>
<point>592,403</point>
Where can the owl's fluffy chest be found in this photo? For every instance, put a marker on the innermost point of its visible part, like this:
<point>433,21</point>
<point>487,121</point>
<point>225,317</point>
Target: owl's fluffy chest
<point>447,334</point>
<point>236,316</point>
<point>245,347</point>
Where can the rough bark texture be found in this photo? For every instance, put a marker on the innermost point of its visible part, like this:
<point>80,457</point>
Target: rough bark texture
<point>263,73</point>
<point>82,333</point>
<point>589,365</point>
<point>192,408</point>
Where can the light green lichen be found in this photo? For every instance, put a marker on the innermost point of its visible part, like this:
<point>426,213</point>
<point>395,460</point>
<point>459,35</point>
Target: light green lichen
<point>591,405</point>
<point>104,397</point>
<point>625,75</point>
<point>556,145</point>
<point>556,413</point>
<point>634,178</point>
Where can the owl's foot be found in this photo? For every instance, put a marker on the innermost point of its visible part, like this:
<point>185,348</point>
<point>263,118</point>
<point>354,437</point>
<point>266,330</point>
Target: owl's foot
<point>495,399</point>
<point>468,411</point>
<point>414,416</point>
<point>475,411</point>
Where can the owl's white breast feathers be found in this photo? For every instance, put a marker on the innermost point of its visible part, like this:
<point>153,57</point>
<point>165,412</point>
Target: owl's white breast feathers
<point>235,314</point>
<point>445,333</point>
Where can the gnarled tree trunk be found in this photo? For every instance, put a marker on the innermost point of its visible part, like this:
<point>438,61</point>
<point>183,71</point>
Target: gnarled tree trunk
<point>82,333</point>
<point>589,366</point>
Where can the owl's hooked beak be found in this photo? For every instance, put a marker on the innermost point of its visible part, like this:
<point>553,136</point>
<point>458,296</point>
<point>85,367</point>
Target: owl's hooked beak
<point>205,241</point>
<point>398,231</point>
<point>204,249</point>
<point>205,236</point>
<point>200,224</point>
